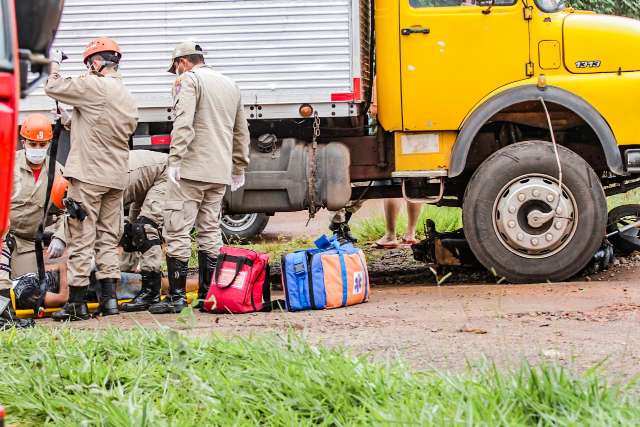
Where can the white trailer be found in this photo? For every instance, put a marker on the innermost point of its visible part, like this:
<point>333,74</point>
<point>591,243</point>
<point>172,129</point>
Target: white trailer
<point>282,54</point>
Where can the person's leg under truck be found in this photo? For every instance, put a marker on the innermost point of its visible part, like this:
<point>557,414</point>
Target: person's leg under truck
<point>5,265</point>
<point>181,209</point>
<point>83,235</point>
<point>209,235</point>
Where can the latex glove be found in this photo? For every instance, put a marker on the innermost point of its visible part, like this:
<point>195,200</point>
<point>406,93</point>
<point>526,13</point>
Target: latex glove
<point>237,181</point>
<point>56,248</point>
<point>55,55</point>
<point>174,174</point>
<point>64,116</point>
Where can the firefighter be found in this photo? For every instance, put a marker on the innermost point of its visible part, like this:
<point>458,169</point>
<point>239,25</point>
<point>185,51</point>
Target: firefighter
<point>18,255</point>
<point>144,195</point>
<point>104,118</point>
<point>209,150</point>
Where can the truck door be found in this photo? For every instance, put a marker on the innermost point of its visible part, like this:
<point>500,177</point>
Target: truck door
<point>454,53</point>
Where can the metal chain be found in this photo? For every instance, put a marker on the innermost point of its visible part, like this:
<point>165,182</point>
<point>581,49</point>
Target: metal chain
<point>313,209</point>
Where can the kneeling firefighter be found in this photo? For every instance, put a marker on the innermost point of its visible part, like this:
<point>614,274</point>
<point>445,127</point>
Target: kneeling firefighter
<point>144,196</point>
<point>104,118</point>
<point>30,183</point>
<point>209,150</point>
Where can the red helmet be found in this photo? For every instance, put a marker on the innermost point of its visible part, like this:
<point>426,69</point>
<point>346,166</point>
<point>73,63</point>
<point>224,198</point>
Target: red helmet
<point>101,44</point>
<point>59,191</point>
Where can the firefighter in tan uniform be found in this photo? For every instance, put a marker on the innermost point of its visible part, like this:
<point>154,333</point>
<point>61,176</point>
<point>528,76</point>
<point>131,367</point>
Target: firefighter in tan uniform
<point>30,175</point>
<point>104,117</point>
<point>145,196</point>
<point>209,150</point>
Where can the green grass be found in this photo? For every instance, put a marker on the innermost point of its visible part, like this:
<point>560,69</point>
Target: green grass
<point>446,219</point>
<point>449,219</point>
<point>159,377</point>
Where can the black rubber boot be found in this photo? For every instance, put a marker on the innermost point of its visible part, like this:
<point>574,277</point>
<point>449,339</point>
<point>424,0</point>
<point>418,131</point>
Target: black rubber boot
<point>108,299</point>
<point>76,308</point>
<point>176,301</point>
<point>342,232</point>
<point>206,267</point>
<point>148,295</point>
<point>9,319</point>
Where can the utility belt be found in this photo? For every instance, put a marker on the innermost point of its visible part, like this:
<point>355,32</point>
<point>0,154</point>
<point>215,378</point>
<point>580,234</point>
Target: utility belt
<point>135,239</point>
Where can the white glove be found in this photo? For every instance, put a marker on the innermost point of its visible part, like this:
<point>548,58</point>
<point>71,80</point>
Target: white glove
<point>174,174</point>
<point>56,248</point>
<point>55,55</point>
<point>237,181</point>
<point>64,116</point>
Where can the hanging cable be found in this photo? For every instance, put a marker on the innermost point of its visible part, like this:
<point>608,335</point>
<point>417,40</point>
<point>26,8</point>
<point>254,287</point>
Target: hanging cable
<point>555,150</point>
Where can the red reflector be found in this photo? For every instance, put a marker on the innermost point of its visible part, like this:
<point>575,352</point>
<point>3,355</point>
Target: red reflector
<point>161,140</point>
<point>341,97</point>
<point>357,91</point>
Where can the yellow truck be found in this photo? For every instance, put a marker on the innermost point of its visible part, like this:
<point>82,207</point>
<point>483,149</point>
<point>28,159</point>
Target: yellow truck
<point>469,94</point>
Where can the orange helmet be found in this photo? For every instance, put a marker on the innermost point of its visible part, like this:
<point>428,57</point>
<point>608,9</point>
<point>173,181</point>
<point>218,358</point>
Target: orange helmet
<point>101,44</point>
<point>59,191</point>
<point>37,127</point>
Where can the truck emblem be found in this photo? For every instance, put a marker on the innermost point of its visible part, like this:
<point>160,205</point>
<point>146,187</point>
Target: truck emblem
<point>588,64</point>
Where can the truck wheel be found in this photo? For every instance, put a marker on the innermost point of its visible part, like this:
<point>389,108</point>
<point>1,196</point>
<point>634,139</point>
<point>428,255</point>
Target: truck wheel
<point>627,241</point>
<point>242,227</point>
<point>508,213</point>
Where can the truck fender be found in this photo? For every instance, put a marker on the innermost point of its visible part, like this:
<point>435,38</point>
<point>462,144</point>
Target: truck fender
<point>550,94</point>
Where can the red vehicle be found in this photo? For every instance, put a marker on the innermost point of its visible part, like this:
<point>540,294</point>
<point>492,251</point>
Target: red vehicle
<point>28,29</point>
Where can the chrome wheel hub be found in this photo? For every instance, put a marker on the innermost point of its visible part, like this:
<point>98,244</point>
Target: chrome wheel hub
<point>533,218</point>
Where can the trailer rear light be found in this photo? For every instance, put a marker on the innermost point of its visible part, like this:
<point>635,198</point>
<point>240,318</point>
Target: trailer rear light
<point>306,110</point>
<point>355,96</point>
<point>160,139</point>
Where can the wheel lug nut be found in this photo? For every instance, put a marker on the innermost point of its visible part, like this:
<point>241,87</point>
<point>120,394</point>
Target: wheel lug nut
<point>550,198</point>
<point>534,242</point>
<point>511,224</point>
<point>549,237</point>
<point>512,210</point>
<point>535,193</point>
<point>520,236</point>
<point>558,225</point>
<point>521,197</point>
<point>559,211</point>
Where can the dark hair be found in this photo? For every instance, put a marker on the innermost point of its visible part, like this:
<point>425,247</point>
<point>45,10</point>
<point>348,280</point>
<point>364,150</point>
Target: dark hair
<point>112,57</point>
<point>194,59</point>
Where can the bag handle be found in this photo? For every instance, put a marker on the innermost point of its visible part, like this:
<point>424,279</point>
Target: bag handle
<point>239,261</point>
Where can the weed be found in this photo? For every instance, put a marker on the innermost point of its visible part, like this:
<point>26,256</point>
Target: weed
<point>160,377</point>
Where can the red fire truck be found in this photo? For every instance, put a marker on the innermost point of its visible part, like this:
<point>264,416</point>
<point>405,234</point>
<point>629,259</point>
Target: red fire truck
<point>28,29</point>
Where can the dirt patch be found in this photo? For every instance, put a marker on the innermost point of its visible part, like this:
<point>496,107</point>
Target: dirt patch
<point>608,313</point>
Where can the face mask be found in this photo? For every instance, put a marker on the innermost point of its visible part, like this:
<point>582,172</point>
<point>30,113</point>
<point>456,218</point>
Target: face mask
<point>36,155</point>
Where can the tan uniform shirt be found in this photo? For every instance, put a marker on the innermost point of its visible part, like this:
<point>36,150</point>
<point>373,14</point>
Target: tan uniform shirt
<point>210,137</point>
<point>27,203</point>
<point>104,117</point>
<point>146,169</point>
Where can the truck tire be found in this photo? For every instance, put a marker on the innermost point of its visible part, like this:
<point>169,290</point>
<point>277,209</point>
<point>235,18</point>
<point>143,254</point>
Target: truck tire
<point>504,207</point>
<point>626,242</point>
<point>242,227</point>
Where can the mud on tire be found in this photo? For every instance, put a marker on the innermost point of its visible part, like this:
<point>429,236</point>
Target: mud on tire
<point>499,204</point>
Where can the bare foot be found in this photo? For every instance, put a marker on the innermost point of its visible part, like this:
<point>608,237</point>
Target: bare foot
<point>387,243</point>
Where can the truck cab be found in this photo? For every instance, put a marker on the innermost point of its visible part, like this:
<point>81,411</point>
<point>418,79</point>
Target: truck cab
<point>516,110</point>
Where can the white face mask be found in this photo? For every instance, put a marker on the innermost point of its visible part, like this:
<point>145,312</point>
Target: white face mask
<point>36,155</point>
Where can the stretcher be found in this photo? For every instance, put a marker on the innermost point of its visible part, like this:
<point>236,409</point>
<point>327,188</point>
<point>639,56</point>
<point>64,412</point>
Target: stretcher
<point>93,306</point>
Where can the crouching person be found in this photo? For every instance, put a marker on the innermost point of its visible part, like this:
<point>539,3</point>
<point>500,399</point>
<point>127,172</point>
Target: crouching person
<point>30,179</point>
<point>144,195</point>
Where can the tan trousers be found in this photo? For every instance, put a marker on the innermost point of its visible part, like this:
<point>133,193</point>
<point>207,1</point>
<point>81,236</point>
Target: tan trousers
<point>151,208</point>
<point>352,207</point>
<point>99,232</point>
<point>22,261</point>
<point>193,203</point>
